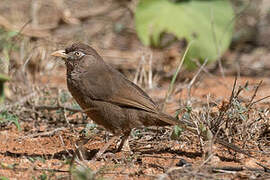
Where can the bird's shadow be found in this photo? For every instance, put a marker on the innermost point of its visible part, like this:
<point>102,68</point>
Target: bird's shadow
<point>90,154</point>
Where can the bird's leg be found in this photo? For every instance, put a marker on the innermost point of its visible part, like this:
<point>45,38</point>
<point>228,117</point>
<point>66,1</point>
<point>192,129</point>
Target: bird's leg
<point>105,147</point>
<point>124,142</point>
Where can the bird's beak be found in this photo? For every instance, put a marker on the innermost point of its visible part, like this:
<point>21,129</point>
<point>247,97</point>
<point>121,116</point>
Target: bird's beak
<point>60,53</point>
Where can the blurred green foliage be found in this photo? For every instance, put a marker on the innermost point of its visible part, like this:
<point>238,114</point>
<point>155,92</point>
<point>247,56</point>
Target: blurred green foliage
<point>207,23</point>
<point>6,117</point>
<point>84,173</point>
<point>3,79</point>
<point>3,178</point>
<point>5,39</point>
<point>6,45</point>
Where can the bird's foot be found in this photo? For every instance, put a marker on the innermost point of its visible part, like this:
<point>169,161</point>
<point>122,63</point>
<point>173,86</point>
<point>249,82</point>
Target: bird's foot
<point>104,148</point>
<point>125,147</point>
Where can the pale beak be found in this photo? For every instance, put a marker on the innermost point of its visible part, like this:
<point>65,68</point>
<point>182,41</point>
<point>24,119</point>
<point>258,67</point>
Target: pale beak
<point>60,53</point>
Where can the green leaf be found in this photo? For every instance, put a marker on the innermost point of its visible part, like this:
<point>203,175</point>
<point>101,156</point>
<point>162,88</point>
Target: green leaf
<point>177,131</point>
<point>208,23</point>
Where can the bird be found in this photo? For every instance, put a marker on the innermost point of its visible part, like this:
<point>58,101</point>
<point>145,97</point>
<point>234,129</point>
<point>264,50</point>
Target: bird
<point>109,98</point>
<point>106,95</point>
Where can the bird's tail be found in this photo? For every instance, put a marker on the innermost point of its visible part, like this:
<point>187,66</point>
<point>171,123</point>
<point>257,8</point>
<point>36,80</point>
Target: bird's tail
<point>169,120</point>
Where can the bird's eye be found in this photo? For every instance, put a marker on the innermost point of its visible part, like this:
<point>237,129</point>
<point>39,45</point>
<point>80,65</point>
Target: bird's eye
<point>77,53</point>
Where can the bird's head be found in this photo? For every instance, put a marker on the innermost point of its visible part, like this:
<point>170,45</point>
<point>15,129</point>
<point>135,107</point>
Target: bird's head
<point>75,54</point>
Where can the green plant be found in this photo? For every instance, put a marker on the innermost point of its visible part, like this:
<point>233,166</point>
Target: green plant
<point>89,128</point>
<point>7,117</point>
<point>3,79</point>
<point>34,159</point>
<point>64,96</point>
<point>3,178</point>
<point>206,22</point>
<point>6,46</point>
<point>83,173</point>
<point>43,176</point>
<point>8,166</point>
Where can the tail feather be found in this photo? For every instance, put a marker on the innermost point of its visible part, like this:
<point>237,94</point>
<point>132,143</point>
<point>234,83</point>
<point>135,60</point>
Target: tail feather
<point>169,120</point>
<point>173,121</point>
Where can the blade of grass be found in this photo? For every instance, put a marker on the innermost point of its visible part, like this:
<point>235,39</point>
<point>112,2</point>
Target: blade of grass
<point>170,90</point>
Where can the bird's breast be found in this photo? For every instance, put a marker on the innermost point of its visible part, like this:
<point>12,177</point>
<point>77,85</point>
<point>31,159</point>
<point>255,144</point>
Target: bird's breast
<point>77,90</point>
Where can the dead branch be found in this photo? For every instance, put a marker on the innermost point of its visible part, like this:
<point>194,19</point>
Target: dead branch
<point>53,108</point>
<point>44,134</point>
<point>27,31</point>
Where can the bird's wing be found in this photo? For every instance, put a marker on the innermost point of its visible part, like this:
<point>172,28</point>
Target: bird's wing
<point>131,95</point>
<point>107,84</point>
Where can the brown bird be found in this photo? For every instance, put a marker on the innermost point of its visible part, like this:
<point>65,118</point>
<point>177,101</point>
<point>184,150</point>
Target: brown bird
<point>109,98</point>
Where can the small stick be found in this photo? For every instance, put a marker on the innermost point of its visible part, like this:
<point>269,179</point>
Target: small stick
<point>259,100</point>
<point>137,72</point>
<point>266,169</point>
<point>150,73</point>
<point>234,85</point>
<point>49,133</point>
<point>194,78</point>
<point>52,108</point>
<point>35,169</point>
<point>63,144</point>
<point>254,94</point>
